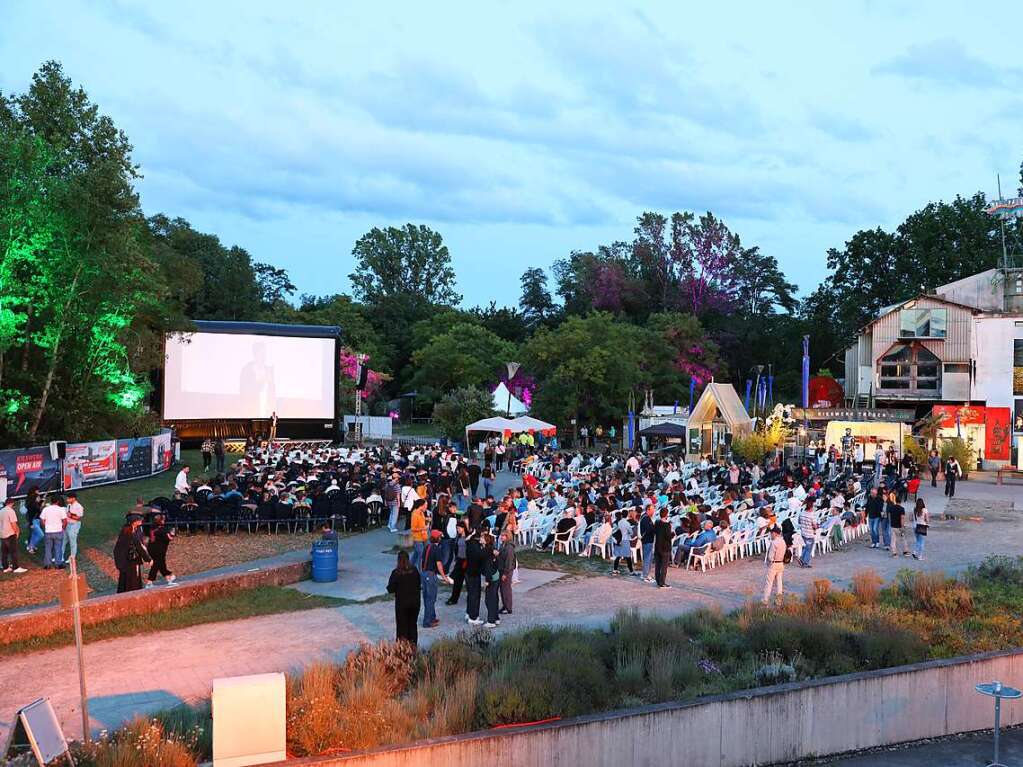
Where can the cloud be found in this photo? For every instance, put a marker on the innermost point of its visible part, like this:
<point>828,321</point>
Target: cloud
<point>947,62</point>
<point>842,128</point>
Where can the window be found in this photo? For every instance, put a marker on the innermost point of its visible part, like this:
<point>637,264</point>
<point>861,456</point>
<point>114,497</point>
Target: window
<point>957,367</point>
<point>910,367</point>
<point>922,323</point>
<point>1017,366</point>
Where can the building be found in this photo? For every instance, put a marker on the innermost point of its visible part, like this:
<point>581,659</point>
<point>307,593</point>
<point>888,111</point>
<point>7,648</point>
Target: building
<point>957,351</point>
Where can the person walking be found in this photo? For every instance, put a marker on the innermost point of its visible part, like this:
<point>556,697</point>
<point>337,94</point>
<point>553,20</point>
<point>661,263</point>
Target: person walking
<point>775,566</point>
<point>934,466</point>
<point>129,555</point>
<point>808,530</point>
<point>207,455</point>
<point>9,531</point>
<point>896,514</point>
<point>921,520</point>
<point>953,471</point>
<point>492,578</point>
<point>75,513</point>
<point>406,586</point>
<point>506,564</point>
<point>159,542</point>
<point>646,539</point>
<point>473,571</point>
<point>662,549</point>
<point>53,518</point>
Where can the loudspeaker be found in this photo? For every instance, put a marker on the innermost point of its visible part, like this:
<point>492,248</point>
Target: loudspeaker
<point>361,374</point>
<point>58,450</point>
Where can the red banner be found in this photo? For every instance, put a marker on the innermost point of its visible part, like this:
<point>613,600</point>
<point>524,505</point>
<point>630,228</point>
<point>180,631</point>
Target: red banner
<point>968,416</point>
<point>998,435</point>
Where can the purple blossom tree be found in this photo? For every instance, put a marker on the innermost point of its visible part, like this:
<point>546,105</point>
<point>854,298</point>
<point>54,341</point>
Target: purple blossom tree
<point>706,252</point>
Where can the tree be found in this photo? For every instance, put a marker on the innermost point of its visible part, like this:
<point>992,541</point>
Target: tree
<point>536,302</point>
<point>408,262</point>
<point>707,252</point>
<point>504,321</point>
<point>465,355</point>
<point>274,284</point>
<point>760,286</point>
<point>461,407</point>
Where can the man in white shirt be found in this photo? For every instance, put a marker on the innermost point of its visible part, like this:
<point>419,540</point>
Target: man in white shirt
<point>775,566</point>
<point>53,518</point>
<point>75,512</point>
<point>181,482</point>
<point>9,536</point>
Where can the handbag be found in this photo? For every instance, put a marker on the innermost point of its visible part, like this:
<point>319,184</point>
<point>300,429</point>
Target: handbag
<point>921,529</point>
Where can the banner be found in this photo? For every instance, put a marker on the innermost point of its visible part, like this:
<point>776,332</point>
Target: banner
<point>22,470</point>
<point>968,416</point>
<point>998,434</point>
<point>90,463</point>
<point>134,458</point>
<point>162,455</point>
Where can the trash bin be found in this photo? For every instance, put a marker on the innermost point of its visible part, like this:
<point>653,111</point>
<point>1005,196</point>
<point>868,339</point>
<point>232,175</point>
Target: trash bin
<point>324,561</point>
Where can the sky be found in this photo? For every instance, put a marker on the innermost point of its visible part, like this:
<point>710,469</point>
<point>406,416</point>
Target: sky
<point>523,131</point>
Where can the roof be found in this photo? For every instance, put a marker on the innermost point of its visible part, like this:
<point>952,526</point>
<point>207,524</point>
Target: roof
<point>667,429</point>
<point>506,402</point>
<point>515,425</point>
<point>722,397</point>
<point>886,310</point>
<point>267,329</point>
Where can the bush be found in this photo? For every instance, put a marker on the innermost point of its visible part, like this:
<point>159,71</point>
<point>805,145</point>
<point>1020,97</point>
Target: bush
<point>866,585</point>
<point>934,593</point>
<point>314,712</point>
<point>774,670</point>
<point>1002,571</point>
<point>393,662</point>
<point>958,447</point>
<point>818,596</point>
<point>140,743</point>
<point>881,645</point>
<point>461,407</point>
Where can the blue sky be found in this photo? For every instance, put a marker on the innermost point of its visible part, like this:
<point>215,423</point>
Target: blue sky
<point>522,131</point>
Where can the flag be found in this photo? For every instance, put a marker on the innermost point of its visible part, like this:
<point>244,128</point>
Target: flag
<point>749,386</point>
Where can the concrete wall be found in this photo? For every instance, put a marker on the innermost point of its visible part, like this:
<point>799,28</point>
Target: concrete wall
<point>775,724</point>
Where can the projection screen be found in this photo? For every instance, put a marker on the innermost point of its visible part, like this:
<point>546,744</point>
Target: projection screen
<point>236,375</point>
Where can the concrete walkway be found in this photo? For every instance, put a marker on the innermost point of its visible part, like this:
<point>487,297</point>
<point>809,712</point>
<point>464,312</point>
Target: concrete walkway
<point>142,674</point>
<point>967,751</point>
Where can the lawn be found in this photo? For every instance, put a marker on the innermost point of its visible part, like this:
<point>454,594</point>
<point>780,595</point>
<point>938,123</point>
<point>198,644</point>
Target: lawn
<point>573,564</point>
<point>105,507</point>
<point>263,600</point>
<point>415,430</point>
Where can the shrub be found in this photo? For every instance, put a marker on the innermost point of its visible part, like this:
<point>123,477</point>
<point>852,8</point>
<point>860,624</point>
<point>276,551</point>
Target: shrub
<point>881,645</point>
<point>818,596</point>
<point>140,743</point>
<point>958,447</point>
<point>314,712</point>
<point>672,670</point>
<point>774,669</point>
<point>192,724</point>
<point>630,670</point>
<point>1003,571</point>
<point>934,593</point>
<point>393,662</point>
<point>866,585</point>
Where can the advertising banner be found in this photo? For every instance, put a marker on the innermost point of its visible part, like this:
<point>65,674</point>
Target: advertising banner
<point>162,455</point>
<point>967,416</point>
<point>24,469</point>
<point>90,463</point>
<point>998,434</point>
<point>134,458</point>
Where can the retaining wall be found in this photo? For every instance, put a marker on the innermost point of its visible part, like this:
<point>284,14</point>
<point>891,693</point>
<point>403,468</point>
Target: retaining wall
<point>50,620</point>
<point>767,726</point>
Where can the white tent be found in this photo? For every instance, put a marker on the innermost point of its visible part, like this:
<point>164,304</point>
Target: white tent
<point>525,423</point>
<point>498,424</point>
<point>506,402</point>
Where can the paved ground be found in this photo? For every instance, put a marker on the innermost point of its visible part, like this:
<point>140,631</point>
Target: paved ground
<point>145,673</point>
<point>970,751</point>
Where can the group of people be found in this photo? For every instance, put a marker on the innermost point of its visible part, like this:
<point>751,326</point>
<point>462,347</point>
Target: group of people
<point>53,524</point>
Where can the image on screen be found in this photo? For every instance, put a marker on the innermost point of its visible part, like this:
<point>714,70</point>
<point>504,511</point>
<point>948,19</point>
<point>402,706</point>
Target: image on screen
<point>224,375</point>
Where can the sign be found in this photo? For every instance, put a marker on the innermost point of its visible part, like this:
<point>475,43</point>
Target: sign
<point>1006,209</point>
<point>66,590</point>
<point>24,469</point>
<point>134,458</point>
<point>967,415</point>
<point>998,434</point>
<point>43,730</point>
<point>851,414</point>
<point>90,463</point>
<point>162,455</point>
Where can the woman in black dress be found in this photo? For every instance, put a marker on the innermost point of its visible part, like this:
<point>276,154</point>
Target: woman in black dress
<point>129,554</point>
<point>404,583</point>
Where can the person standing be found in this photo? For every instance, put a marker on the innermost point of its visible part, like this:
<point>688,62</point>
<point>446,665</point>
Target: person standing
<point>808,530</point>
<point>417,525</point>
<point>775,566</point>
<point>159,542</point>
<point>75,513</point>
<point>922,520</point>
<point>9,531</point>
<point>646,538</point>
<point>896,513</point>
<point>662,549</point>
<point>488,477</point>
<point>433,568</point>
<point>492,578</point>
<point>129,555</point>
<point>406,586</point>
<point>459,564</point>
<point>506,564</point>
<point>934,466</point>
<point>33,507</point>
<point>953,471</point>
<point>54,519</point>
<point>474,471</point>
<point>473,571</point>
<point>218,453</point>
<point>623,543</point>
<point>499,452</point>
<point>875,507</point>
<point>392,493</point>
<point>207,455</point>
<point>181,485</point>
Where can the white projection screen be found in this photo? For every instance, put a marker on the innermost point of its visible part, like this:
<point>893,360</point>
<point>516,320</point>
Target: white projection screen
<point>236,375</point>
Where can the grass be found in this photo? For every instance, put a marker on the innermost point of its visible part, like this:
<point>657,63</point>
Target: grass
<point>416,430</point>
<point>573,564</point>
<point>263,600</point>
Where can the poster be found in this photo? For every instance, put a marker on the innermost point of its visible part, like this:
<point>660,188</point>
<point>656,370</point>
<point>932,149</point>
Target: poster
<point>134,458</point>
<point>998,434</point>
<point>967,416</point>
<point>90,463</point>
<point>28,468</point>
<point>162,455</point>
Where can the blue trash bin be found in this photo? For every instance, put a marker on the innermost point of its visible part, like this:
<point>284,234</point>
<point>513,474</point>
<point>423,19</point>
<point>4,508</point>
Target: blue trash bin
<point>324,556</point>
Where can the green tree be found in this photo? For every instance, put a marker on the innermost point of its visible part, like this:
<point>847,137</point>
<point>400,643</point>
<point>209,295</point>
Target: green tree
<point>275,286</point>
<point>537,305</point>
<point>461,407</point>
<point>507,322</point>
<point>465,355</point>
<point>410,262</point>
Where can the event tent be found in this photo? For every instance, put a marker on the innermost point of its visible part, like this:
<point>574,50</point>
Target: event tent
<point>506,402</point>
<point>514,425</point>
<point>526,422</point>
<point>717,416</point>
<point>666,429</point>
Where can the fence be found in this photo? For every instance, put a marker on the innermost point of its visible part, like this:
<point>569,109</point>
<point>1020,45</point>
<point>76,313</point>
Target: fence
<point>86,464</point>
<point>773,725</point>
